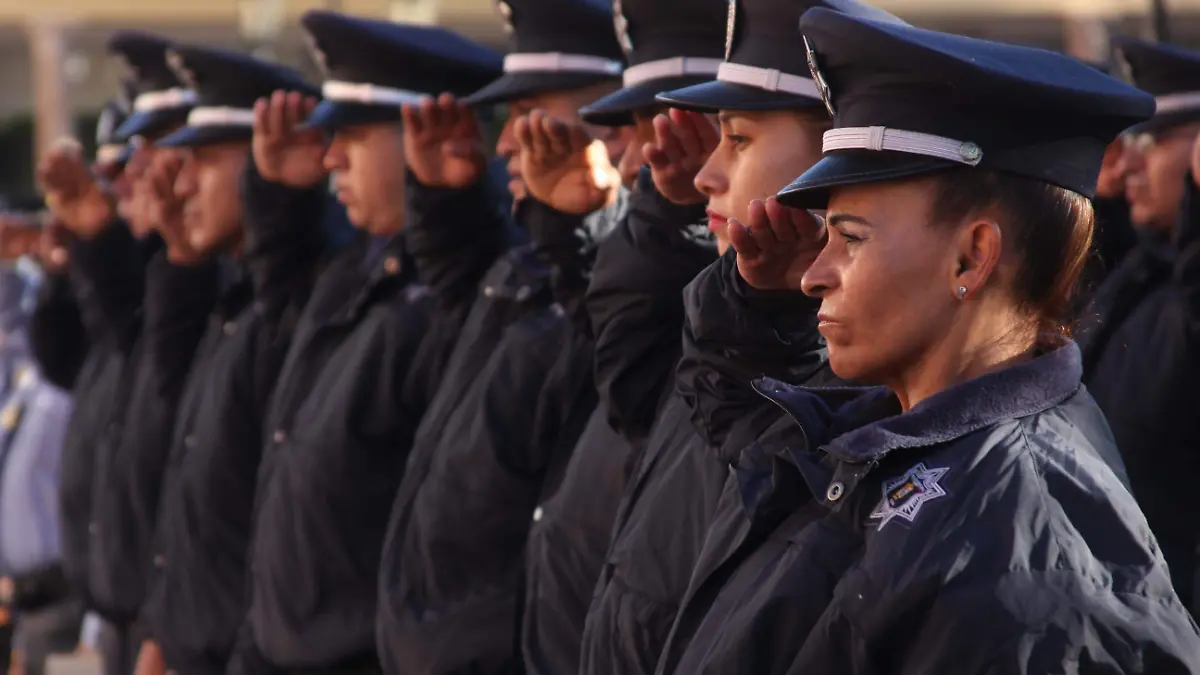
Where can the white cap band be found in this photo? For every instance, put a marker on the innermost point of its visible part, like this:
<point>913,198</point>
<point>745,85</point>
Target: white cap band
<point>555,62</point>
<point>673,67</point>
<point>161,100</point>
<point>897,140</point>
<point>109,154</point>
<point>221,117</point>
<point>1170,103</point>
<point>768,79</point>
<point>372,94</point>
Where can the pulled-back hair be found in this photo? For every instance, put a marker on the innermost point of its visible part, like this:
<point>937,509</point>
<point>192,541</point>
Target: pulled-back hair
<point>1048,229</point>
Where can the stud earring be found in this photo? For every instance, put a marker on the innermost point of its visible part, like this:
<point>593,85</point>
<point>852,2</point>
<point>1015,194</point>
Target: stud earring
<point>962,292</point>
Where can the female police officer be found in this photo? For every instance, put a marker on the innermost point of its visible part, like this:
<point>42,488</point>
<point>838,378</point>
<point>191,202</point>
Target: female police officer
<point>969,515</point>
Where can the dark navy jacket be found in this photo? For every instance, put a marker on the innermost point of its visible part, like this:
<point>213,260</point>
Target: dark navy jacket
<point>985,530</point>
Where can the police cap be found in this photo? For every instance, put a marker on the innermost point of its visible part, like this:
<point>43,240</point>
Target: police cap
<point>764,69</point>
<point>1171,74</point>
<point>162,101</point>
<point>557,45</point>
<point>227,84</point>
<point>372,68</point>
<point>669,44</point>
<point>111,152</point>
<point>908,102</point>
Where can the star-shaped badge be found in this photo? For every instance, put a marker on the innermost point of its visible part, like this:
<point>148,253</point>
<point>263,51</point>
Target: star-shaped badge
<point>903,497</point>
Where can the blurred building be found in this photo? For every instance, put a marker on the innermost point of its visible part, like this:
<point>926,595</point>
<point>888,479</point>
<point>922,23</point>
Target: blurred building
<point>53,67</point>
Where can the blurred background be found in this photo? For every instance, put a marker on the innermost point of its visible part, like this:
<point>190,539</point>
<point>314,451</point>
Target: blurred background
<point>54,75</point>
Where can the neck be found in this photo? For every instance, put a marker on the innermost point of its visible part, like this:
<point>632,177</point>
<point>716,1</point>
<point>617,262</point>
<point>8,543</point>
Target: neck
<point>963,354</point>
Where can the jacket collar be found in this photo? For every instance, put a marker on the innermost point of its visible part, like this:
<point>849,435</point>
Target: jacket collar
<point>872,425</point>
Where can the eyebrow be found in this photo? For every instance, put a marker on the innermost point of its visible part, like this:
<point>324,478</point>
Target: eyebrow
<point>842,218</point>
<point>727,116</point>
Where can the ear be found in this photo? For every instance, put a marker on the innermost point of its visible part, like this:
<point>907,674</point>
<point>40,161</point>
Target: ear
<point>978,245</point>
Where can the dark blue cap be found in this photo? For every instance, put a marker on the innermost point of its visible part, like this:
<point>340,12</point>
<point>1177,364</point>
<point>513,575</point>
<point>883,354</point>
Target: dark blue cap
<point>1171,74</point>
<point>162,101</point>
<point>766,68</point>
<point>669,44</point>
<point>372,68</point>
<point>908,102</point>
<point>227,84</point>
<point>111,152</point>
<point>557,45</point>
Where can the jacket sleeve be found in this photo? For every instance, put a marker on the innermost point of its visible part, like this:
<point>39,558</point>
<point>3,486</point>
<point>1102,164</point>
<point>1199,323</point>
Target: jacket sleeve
<point>561,243</point>
<point>734,334</point>
<point>109,273</point>
<point>58,337</point>
<point>635,301</point>
<point>453,236</point>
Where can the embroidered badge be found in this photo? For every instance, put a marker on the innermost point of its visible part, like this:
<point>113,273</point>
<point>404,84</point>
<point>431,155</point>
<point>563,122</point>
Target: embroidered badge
<point>904,496</point>
<point>622,25</point>
<point>730,25</point>
<point>818,78</point>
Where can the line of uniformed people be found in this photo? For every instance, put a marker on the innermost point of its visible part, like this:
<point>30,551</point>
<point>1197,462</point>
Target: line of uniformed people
<point>627,424</point>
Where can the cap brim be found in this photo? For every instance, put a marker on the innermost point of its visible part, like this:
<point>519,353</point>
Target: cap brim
<point>1165,121</point>
<point>150,123</point>
<point>855,167</point>
<point>715,95</point>
<point>332,115</point>
<point>513,86</point>
<point>190,137</point>
<point>617,108</point>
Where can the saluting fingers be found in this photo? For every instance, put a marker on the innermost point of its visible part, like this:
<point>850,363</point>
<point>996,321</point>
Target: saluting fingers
<point>780,221</point>
<point>742,241</point>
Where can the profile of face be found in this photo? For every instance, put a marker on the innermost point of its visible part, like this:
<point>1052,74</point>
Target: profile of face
<point>207,184</point>
<point>643,133</point>
<point>1156,165</point>
<point>759,154</point>
<point>367,161</point>
<point>561,105</point>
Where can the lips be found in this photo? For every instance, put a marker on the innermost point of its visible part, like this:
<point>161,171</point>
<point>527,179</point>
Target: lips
<point>716,222</point>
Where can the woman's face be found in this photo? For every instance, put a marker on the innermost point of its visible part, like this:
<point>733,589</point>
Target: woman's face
<point>886,279</point>
<point>759,154</point>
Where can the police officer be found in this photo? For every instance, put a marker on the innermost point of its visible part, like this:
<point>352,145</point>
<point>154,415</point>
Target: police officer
<point>1140,349</point>
<point>370,346</point>
<point>196,601</point>
<point>108,271</point>
<point>955,518</point>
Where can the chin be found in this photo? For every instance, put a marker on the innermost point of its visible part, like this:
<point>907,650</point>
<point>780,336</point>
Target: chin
<point>851,367</point>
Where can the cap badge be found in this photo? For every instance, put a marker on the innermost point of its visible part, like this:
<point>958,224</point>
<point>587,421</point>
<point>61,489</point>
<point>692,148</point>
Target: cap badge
<point>970,152</point>
<point>622,25</point>
<point>177,66</point>
<point>506,13</point>
<point>819,79</point>
<point>318,54</point>
<point>730,25</point>
<point>904,496</point>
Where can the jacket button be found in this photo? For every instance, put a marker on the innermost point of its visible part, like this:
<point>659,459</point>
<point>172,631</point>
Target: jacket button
<point>160,561</point>
<point>280,436</point>
<point>489,292</point>
<point>523,293</point>
<point>391,265</point>
<point>537,514</point>
<point>835,491</point>
<point>230,327</point>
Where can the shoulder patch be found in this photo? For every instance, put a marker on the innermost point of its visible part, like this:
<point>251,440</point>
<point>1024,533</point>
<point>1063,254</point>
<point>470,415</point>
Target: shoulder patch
<point>904,496</point>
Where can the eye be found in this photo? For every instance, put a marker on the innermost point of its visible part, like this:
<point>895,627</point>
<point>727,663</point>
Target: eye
<point>847,236</point>
<point>738,141</point>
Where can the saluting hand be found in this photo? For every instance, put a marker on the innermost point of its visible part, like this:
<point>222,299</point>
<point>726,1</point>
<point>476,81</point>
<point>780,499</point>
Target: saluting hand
<point>777,245</point>
<point>563,166</point>
<point>165,208</point>
<point>285,152</point>
<point>683,141</point>
<point>443,143</point>
<point>72,193</point>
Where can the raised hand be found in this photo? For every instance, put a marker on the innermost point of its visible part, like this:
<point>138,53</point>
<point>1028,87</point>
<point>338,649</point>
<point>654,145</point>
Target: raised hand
<point>443,144</point>
<point>683,141</point>
<point>165,208</point>
<point>777,245</point>
<point>72,193</point>
<point>563,166</point>
<point>284,151</point>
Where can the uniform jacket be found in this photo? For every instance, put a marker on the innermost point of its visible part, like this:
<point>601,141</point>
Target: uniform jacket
<point>453,562</point>
<point>1141,358</point>
<point>985,530</point>
<point>198,597</point>
<point>368,354</point>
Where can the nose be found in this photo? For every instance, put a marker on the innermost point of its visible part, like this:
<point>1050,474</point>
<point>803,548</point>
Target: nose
<point>711,180</point>
<point>821,276</point>
<point>335,155</point>
<point>185,181</point>
<point>506,144</point>
<point>631,163</point>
